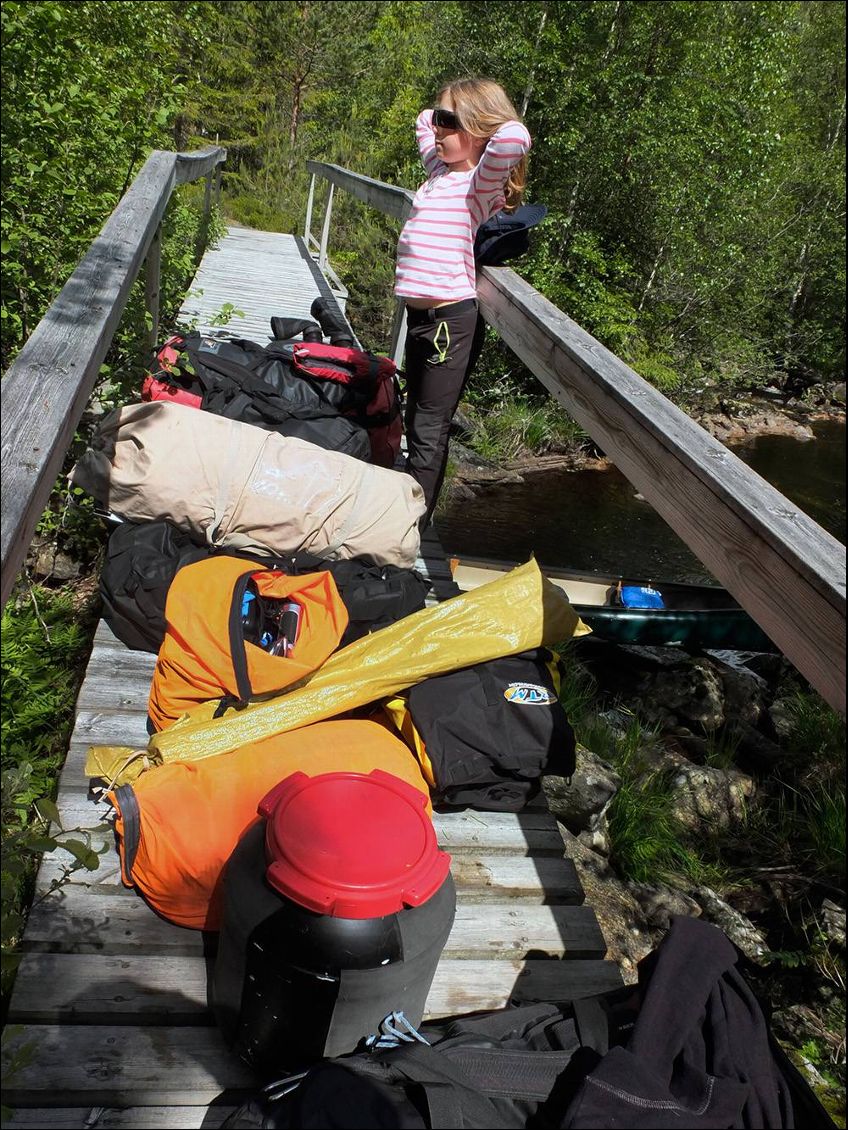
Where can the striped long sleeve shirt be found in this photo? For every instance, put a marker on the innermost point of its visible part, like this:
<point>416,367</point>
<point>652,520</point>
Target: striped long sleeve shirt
<point>435,256</point>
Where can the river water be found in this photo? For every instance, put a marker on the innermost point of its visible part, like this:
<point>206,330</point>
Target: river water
<point>592,521</point>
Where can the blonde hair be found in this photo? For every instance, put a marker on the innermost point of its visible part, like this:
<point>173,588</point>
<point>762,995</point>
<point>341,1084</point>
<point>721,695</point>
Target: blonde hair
<point>483,106</point>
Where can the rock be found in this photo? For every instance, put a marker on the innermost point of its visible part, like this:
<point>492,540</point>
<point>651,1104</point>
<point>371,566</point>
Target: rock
<point>707,799</point>
<point>666,657</point>
<point>695,749</point>
<point>462,426</point>
<point>745,691</point>
<point>833,922</point>
<point>628,935</point>
<point>690,691</point>
<point>660,903</point>
<point>741,931</point>
<point>782,716</point>
<point>597,838</point>
<point>49,562</point>
<point>771,666</point>
<point>593,783</point>
<point>754,749</point>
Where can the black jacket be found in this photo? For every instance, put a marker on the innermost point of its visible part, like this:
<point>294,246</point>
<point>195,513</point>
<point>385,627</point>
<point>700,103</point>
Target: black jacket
<point>700,1054</point>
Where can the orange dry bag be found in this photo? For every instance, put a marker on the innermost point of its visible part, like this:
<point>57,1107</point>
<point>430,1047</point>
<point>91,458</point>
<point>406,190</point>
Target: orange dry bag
<point>215,611</point>
<point>177,827</point>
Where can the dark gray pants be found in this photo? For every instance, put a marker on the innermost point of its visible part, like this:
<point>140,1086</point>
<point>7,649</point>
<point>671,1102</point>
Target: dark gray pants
<point>439,345</point>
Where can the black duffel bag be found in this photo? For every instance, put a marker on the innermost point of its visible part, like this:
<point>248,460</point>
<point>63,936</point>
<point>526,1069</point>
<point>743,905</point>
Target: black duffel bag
<point>690,1046</point>
<point>142,559</point>
<point>487,734</point>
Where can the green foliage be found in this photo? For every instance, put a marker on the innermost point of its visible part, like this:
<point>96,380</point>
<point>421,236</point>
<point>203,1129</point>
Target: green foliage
<point>88,88</point>
<point>691,157</point>
<point>520,426</point>
<point>722,747</point>
<point>578,689</point>
<point>45,638</point>
<point>44,641</point>
<point>816,731</point>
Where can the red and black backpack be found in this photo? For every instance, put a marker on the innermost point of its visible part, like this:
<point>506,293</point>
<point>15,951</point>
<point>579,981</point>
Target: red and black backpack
<point>336,396</point>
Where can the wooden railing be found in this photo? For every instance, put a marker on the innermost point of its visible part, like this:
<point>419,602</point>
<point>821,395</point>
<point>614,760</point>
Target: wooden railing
<point>783,568</point>
<point>44,392</point>
<point>386,198</point>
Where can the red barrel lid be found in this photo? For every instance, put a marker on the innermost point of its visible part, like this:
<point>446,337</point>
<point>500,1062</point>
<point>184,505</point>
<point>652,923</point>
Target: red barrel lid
<point>351,845</point>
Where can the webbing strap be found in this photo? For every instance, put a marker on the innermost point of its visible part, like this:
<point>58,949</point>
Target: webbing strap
<point>592,1024</point>
<point>127,804</point>
<point>480,1073</point>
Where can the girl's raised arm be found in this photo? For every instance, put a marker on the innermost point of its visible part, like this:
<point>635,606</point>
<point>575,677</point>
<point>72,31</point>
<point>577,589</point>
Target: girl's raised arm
<point>503,151</point>
<point>426,137</point>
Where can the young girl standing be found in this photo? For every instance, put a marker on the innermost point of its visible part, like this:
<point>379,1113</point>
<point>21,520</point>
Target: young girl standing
<point>474,151</point>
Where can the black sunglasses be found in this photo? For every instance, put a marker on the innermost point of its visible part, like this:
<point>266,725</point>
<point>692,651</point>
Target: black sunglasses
<point>446,119</point>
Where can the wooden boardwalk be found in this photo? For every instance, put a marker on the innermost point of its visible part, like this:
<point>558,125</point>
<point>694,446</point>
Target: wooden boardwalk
<point>261,273</point>
<point>111,1000</point>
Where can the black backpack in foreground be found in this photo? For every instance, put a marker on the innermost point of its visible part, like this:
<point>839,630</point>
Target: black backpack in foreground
<point>688,1048</point>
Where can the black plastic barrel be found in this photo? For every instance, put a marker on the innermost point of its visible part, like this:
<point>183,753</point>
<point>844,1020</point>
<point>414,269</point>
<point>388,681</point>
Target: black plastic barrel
<point>337,906</point>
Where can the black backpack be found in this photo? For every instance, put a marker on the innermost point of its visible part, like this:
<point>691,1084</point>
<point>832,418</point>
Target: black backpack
<point>490,732</point>
<point>254,384</point>
<point>490,1070</point>
<point>689,1047</point>
<point>142,559</point>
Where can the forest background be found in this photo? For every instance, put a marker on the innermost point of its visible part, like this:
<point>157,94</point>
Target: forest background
<point>690,155</point>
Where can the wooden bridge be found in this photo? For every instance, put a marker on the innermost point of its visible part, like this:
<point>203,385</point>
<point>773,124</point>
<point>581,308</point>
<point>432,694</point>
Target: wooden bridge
<point>111,1000</point>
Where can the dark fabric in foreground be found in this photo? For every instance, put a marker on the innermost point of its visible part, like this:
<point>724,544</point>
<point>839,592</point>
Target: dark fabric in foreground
<point>689,1048</point>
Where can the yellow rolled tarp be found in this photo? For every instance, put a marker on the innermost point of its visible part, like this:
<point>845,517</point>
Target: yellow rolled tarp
<point>513,613</point>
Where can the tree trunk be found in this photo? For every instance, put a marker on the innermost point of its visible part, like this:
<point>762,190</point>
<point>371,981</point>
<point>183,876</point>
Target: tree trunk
<point>297,96</point>
<point>650,281</point>
<point>528,90</point>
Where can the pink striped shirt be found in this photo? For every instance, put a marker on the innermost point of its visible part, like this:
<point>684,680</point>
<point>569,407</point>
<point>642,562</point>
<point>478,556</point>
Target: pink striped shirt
<point>435,255</point>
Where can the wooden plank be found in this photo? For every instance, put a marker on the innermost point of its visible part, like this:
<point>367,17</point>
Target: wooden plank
<point>82,920</point>
<point>531,879</point>
<point>388,198</point>
<point>262,274</point>
<point>113,1118</point>
<point>533,832</point>
<point>104,726</point>
<point>105,988</point>
<point>123,1066</point>
<point>140,988</point>
<point>762,548</point>
<point>478,877</point>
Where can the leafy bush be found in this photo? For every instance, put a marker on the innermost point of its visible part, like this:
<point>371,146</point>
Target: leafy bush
<point>45,639</point>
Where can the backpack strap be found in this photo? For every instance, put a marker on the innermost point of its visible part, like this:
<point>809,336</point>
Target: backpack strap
<point>592,1023</point>
<point>447,1080</point>
<point>256,388</point>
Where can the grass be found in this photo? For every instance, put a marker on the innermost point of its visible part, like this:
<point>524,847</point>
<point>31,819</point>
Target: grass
<point>647,842</point>
<point>46,635</point>
<point>519,425</point>
<point>722,747</point>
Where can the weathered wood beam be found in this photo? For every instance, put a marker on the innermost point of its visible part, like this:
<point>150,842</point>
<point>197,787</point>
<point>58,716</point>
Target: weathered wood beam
<point>387,198</point>
<point>192,166</point>
<point>45,390</point>
<point>782,567</point>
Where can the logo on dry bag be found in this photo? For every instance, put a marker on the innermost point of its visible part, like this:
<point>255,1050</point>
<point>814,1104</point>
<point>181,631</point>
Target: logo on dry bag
<point>528,694</point>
